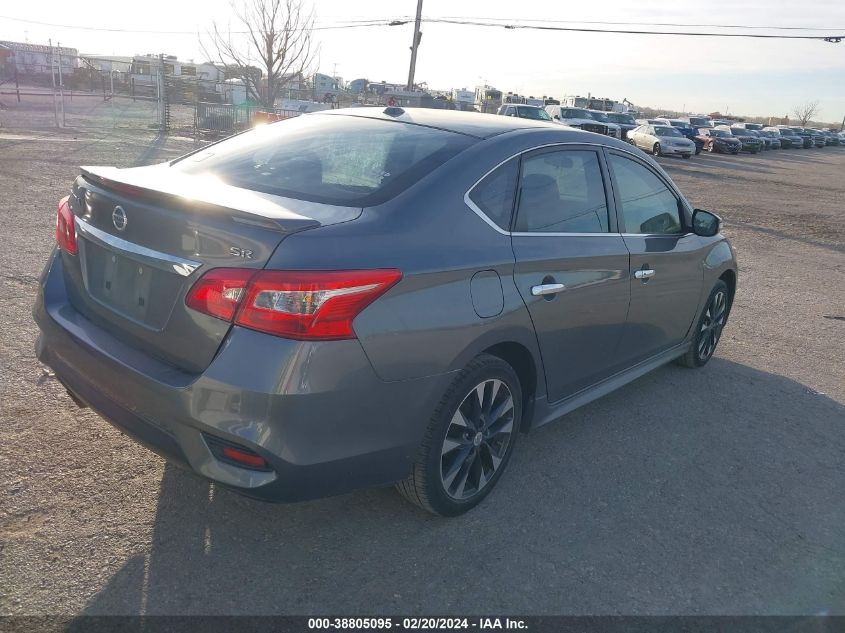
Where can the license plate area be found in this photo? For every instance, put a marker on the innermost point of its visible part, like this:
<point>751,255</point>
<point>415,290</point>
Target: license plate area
<point>134,290</point>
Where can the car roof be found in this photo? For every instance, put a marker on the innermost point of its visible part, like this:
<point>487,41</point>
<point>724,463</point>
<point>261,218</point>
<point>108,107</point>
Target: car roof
<point>469,123</point>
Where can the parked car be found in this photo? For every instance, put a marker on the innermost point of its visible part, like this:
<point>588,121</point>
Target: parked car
<point>765,141</point>
<point>788,138</point>
<point>719,140</point>
<point>806,138</point>
<point>830,137</point>
<point>523,111</point>
<point>577,118</point>
<point>661,140</point>
<point>774,137</point>
<point>268,310</point>
<point>726,122</point>
<point>612,128</point>
<point>687,130</point>
<point>750,142</point>
<point>624,120</point>
<point>651,121</point>
<point>818,137</point>
<point>699,121</point>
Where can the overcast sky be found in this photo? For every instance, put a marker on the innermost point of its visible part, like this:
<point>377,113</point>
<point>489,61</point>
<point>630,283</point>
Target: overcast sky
<point>744,76</point>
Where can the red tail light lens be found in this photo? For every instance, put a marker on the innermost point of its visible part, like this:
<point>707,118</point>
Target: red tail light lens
<point>219,292</point>
<point>304,305</point>
<point>65,227</point>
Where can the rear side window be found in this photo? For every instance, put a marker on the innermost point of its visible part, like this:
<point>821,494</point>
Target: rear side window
<point>494,194</point>
<point>334,159</point>
<point>648,206</point>
<point>562,192</point>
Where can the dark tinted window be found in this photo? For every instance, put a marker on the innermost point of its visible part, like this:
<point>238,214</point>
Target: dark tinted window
<point>648,206</point>
<point>494,195</point>
<point>562,192</point>
<point>344,160</point>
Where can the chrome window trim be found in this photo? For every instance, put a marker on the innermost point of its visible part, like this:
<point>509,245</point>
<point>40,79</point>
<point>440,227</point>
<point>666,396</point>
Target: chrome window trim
<point>499,229</point>
<point>157,259</point>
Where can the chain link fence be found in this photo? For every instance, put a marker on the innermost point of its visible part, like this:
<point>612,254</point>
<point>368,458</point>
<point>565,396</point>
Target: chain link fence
<point>183,106</point>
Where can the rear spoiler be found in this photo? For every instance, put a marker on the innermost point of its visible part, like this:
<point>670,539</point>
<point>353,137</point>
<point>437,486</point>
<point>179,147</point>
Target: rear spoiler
<point>159,181</point>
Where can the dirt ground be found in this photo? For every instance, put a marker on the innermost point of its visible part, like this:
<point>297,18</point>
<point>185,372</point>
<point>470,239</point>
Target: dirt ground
<point>687,492</point>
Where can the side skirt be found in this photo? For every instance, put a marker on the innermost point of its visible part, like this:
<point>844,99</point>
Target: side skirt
<point>545,412</point>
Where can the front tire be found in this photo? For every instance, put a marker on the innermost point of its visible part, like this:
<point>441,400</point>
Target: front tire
<point>656,149</point>
<point>469,439</point>
<point>708,328</point>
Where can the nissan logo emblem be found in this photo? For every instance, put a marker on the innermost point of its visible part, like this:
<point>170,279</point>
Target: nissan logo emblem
<point>118,218</point>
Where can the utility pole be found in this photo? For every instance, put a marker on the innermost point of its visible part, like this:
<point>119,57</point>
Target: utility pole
<point>53,78</point>
<point>414,45</point>
<point>61,83</point>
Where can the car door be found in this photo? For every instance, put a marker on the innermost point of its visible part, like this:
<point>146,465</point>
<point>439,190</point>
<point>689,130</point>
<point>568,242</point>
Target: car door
<point>571,265</point>
<point>666,258</point>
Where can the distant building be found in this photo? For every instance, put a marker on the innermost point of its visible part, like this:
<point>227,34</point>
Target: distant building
<point>325,84</point>
<point>463,96</point>
<point>106,63</point>
<point>357,86</point>
<point>146,67</point>
<point>38,59</point>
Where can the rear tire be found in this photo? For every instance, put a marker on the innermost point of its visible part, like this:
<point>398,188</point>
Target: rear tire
<point>687,155</point>
<point>469,439</point>
<point>708,329</point>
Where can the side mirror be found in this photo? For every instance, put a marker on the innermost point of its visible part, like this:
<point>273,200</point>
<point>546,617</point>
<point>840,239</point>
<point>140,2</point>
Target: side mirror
<point>557,118</point>
<point>705,224</point>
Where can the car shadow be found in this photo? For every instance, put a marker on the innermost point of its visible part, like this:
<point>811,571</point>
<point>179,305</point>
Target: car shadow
<point>709,491</point>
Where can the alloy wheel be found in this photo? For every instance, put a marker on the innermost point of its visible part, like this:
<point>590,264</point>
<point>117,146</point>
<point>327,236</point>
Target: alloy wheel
<point>712,324</point>
<point>477,439</point>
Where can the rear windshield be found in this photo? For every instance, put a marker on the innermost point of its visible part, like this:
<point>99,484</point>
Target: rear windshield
<point>342,160</point>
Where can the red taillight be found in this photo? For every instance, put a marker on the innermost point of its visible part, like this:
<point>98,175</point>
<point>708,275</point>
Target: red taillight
<point>65,227</point>
<point>242,457</point>
<point>219,292</point>
<point>305,305</point>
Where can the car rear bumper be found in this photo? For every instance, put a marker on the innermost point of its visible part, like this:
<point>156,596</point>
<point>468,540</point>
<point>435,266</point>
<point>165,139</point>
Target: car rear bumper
<point>316,412</point>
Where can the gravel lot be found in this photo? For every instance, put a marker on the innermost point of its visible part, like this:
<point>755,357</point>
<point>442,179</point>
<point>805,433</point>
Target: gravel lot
<point>687,492</point>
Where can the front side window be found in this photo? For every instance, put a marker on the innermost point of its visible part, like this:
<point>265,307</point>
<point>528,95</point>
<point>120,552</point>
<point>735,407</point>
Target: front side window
<point>494,194</point>
<point>647,204</point>
<point>562,192</point>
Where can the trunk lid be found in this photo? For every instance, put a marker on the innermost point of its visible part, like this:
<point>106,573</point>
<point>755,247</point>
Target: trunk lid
<point>146,234</point>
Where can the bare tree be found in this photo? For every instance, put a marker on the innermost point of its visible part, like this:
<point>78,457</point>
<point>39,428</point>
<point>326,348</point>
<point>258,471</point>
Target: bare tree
<point>805,112</point>
<point>271,47</point>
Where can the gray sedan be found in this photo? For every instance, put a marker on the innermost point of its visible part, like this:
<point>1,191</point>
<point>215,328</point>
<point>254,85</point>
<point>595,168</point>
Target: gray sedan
<point>368,297</point>
<point>661,140</point>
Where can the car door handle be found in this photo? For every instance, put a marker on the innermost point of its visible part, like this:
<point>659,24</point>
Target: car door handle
<point>547,289</point>
<point>644,274</point>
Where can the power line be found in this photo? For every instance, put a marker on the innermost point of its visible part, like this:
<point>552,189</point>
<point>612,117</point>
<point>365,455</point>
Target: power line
<point>350,24</point>
<point>491,23</point>
<point>510,26</point>
<point>672,24</point>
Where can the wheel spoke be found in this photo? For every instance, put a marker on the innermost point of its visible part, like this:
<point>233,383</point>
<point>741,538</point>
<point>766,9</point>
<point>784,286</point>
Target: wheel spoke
<point>462,480</point>
<point>457,462</point>
<point>502,425</point>
<point>501,409</point>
